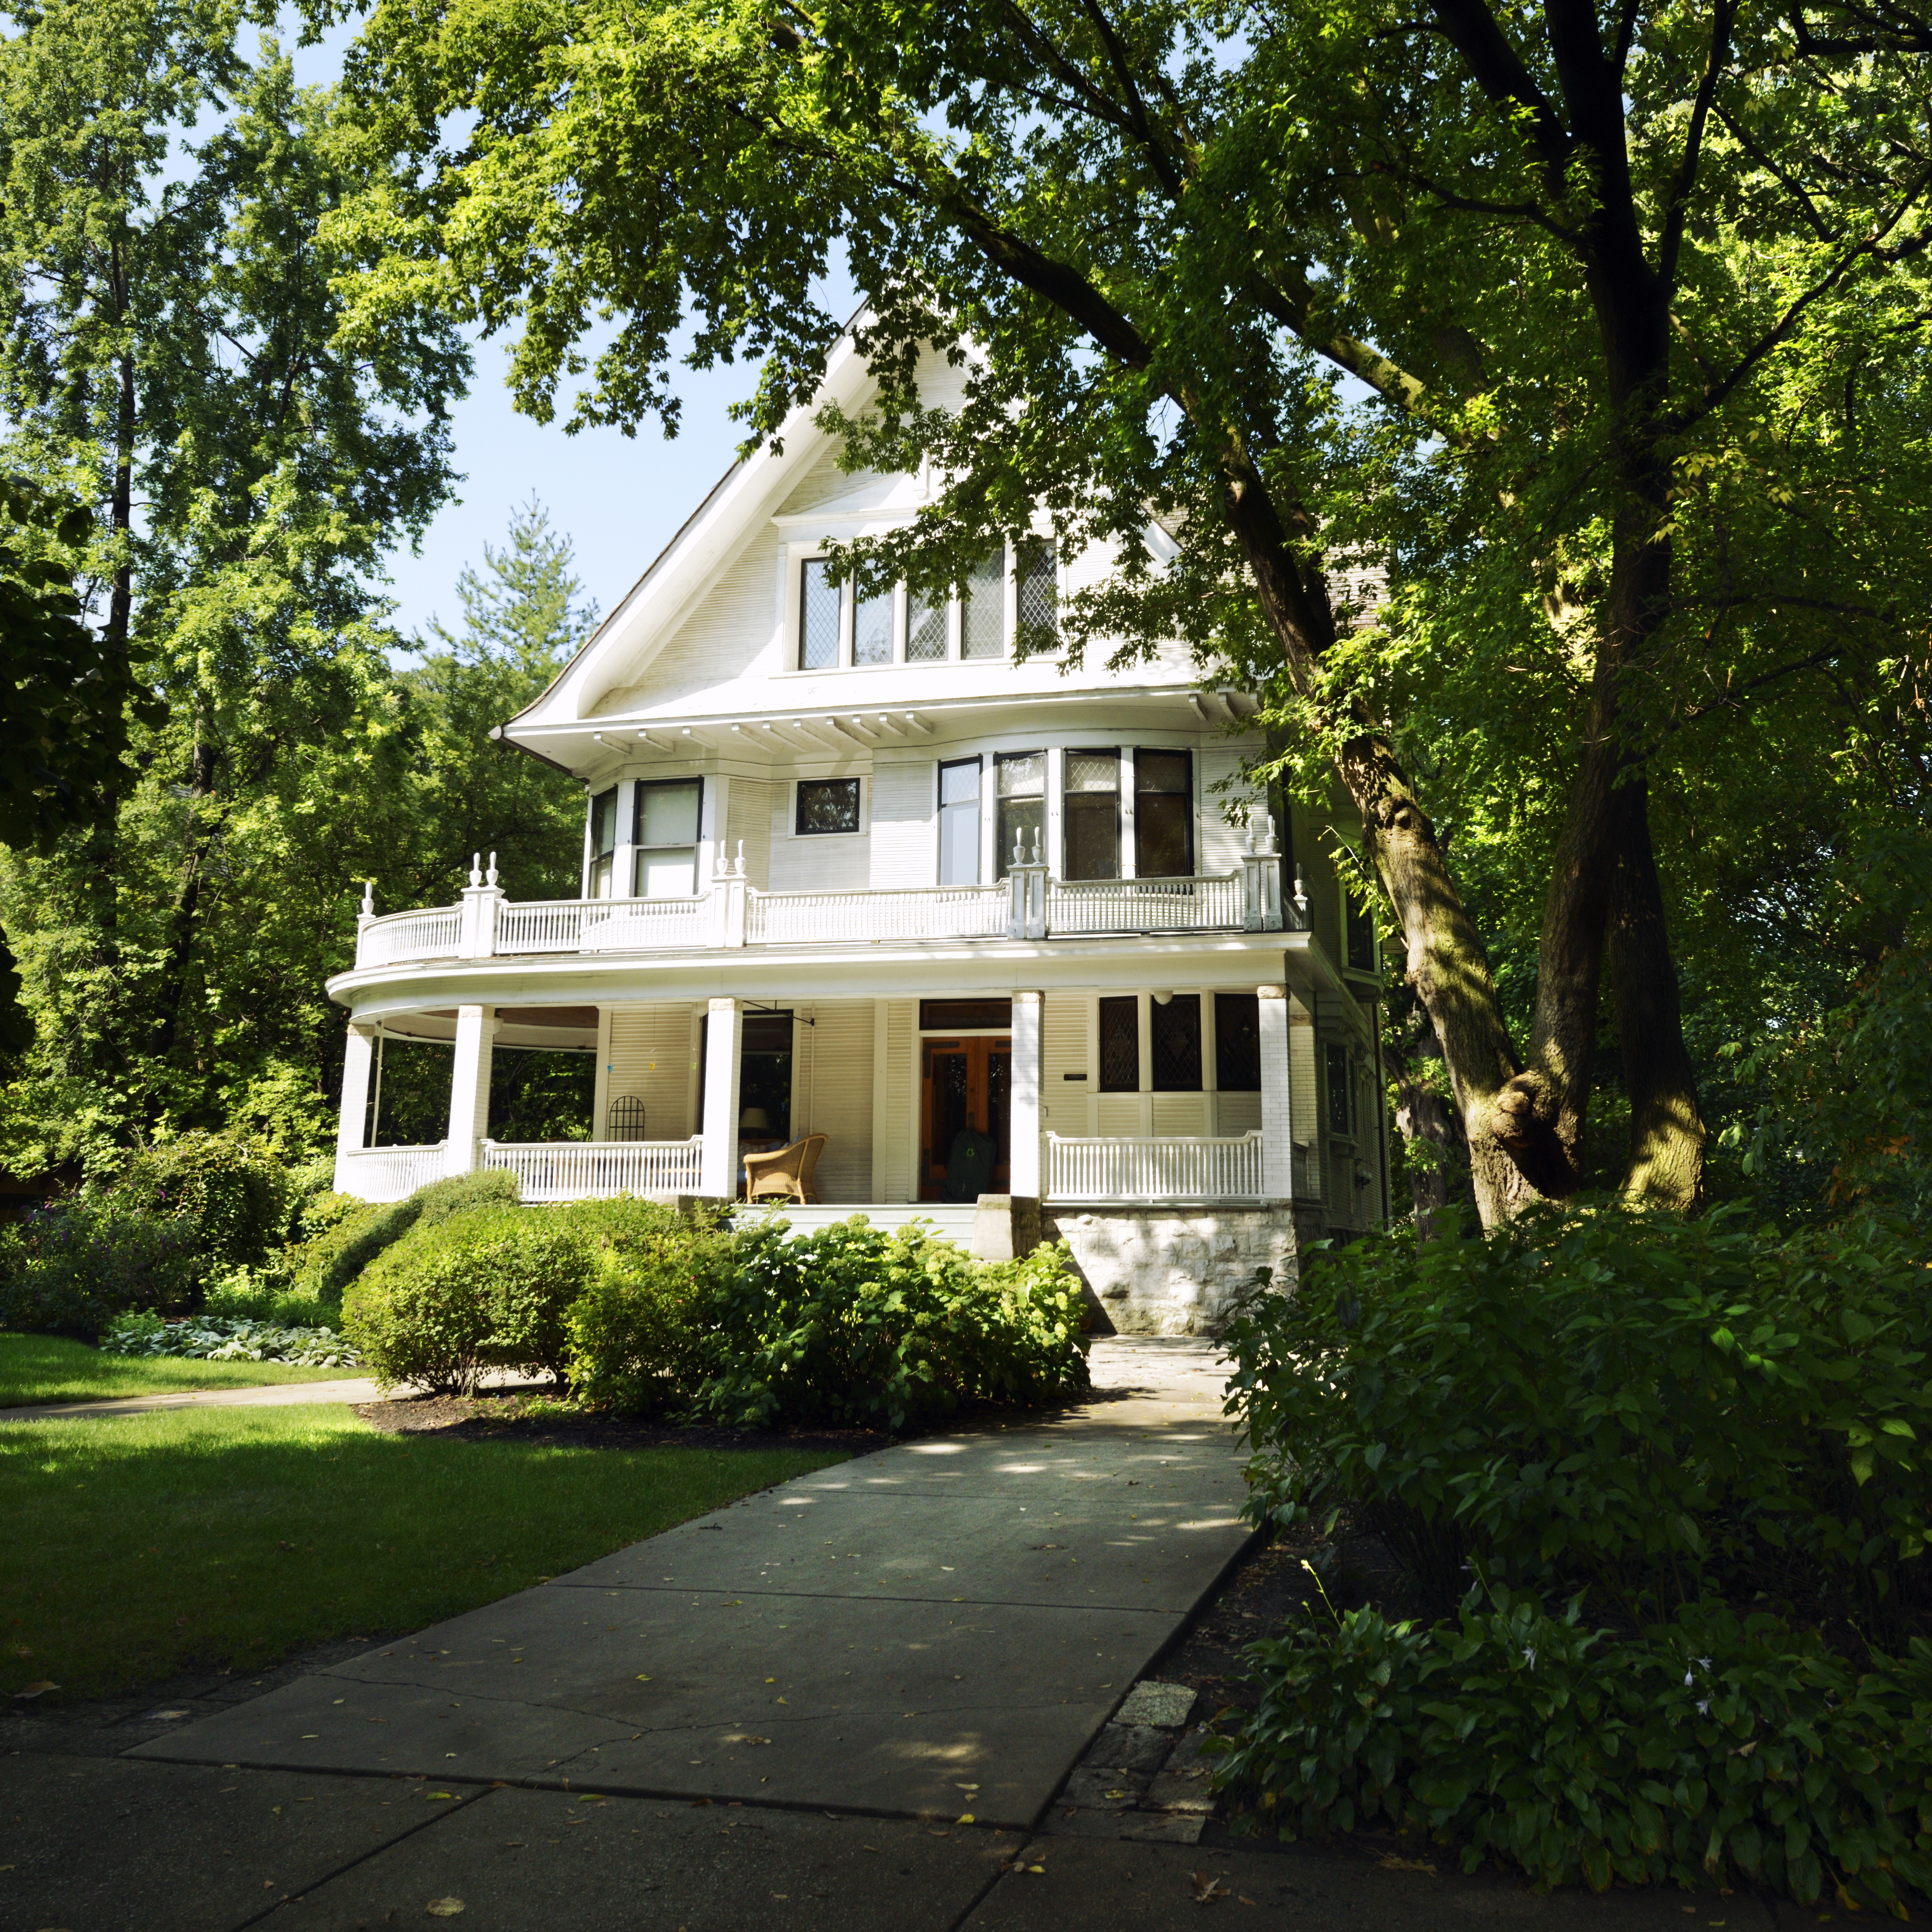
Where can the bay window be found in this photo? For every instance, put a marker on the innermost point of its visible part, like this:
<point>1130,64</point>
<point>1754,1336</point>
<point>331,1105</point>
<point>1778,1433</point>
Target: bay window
<point>959,822</point>
<point>1163,815</point>
<point>666,863</point>
<point>1021,818</point>
<point>603,843</point>
<point>1090,816</point>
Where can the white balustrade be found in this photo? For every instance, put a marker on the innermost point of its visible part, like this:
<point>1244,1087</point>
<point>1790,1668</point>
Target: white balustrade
<point>1143,905</point>
<point>1170,1167</point>
<point>436,935</point>
<point>593,1170</point>
<point>924,912</point>
<point>387,1173</point>
<point>860,917</point>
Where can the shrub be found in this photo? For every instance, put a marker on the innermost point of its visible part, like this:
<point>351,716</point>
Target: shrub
<point>236,1199</point>
<point>857,1324</point>
<point>265,1294</point>
<point>361,1231</point>
<point>465,1292</point>
<point>74,1266</point>
<point>1706,1751</point>
<point>632,1330</point>
<point>1648,1410</point>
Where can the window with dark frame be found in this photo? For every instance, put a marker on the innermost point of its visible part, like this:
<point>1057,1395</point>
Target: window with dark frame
<point>665,866</point>
<point>1120,1045</point>
<point>603,843</point>
<point>1360,925</point>
<point>1175,1046</point>
<point>966,1015</point>
<point>959,822</point>
<point>1341,1092</point>
<point>826,805</point>
<point>1090,815</point>
<point>1163,815</point>
<point>821,606</point>
<point>1021,816</point>
<point>1237,1042</point>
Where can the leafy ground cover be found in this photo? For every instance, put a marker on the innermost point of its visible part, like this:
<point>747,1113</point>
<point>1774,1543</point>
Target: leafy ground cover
<point>140,1545</point>
<point>49,1368</point>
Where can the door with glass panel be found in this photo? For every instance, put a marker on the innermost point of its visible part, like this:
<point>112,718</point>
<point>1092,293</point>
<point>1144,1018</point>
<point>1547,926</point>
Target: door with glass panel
<point>666,863</point>
<point>967,1112</point>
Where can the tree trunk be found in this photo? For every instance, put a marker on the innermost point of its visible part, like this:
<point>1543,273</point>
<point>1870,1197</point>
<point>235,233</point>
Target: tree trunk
<point>1437,1152</point>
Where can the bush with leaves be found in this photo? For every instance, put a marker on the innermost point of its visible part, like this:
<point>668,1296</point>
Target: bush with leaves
<point>463,1292</point>
<point>631,1331</point>
<point>352,1235</point>
<point>70,1268</point>
<point>1705,1751</point>
<point>235,1199</point>
<point>1648,1410</point>
<point>856,1323</point>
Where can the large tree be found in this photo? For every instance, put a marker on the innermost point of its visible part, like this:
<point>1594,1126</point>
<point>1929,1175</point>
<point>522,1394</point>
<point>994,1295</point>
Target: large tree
<point>1598,327</point>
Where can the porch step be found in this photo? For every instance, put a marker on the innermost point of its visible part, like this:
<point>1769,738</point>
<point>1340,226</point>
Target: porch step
<point>955,1223</point>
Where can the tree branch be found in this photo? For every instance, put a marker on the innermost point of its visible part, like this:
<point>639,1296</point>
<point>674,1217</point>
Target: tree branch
<point>1474,31</point>
<point>1721,21</point>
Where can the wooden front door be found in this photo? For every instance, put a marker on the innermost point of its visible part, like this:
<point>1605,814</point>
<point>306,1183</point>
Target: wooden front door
<point>966,1099</point>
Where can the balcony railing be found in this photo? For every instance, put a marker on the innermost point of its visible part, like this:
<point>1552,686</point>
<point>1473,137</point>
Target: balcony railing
<point>1156,1168</point>
<point>593,1170</point>
<point>1026,904</point>
<point>387,1173</point>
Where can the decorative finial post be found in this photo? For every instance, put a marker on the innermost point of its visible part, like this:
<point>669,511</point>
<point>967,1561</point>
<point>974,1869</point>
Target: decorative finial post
<point>738,867</point>
<point>490,876</point>
<point>475,868</point>
<point>368,909</point>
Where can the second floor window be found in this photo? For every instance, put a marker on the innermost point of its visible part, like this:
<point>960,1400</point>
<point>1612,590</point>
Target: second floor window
<point>1091,816</point>
<point>958,823</point>
<point>603,843</point>
<point>871,629</point>
<point>1163,815</point>
<point>826,805</point>
<point>820,611</point>
<point>983,608</point>
<point>1021,821</point>
<point>666,864</point>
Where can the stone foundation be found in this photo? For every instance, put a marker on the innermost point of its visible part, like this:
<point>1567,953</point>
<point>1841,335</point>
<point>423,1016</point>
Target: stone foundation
<point>1173,1270</point>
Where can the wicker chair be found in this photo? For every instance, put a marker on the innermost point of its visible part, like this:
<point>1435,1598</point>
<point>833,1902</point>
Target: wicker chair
<point>787,1173</point>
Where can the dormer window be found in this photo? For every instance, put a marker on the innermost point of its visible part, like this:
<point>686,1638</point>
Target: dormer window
<point>821,608</point>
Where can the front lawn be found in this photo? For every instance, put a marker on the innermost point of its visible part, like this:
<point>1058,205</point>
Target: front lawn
<point>47,1368</point>
<point>138,1545</point>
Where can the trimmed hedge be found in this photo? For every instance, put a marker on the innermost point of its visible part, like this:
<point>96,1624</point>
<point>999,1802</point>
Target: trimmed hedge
<point>334,1259</point>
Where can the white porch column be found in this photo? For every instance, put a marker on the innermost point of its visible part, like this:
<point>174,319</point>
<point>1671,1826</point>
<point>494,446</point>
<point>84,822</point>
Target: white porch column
<point>1023,1118</point>
<point>1278,1145</point>
<point>470,1088</point>
<point>358,1056</point>
<point>724,1038</point>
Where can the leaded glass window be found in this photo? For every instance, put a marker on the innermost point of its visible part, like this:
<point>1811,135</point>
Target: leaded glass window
<point>1037,599</point>
<point>1090,815</point>
<point>983,608</point>
<point>821,604</point>
<point>1120,1045</point>
<point>871,630</point>
<point>1175,1026</point>
<point>1022,818</point>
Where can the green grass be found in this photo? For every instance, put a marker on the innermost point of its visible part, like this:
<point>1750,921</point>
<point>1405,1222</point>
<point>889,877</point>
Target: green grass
<point>137,1546</point>
<point>45,1368</point>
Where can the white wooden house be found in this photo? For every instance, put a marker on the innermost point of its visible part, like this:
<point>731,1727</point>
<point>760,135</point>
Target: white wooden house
<point>851,869</point>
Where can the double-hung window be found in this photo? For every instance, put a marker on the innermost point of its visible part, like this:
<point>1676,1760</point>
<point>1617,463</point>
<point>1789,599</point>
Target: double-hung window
<point>1090,816</point>
<point>1020,822</point>
<point>666,864</point>
<point>959,822</point>
<point>1163,815</point>
<point>603,843</point>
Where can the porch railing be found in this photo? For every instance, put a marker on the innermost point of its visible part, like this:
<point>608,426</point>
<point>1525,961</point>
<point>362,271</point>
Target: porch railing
<point>1027,905</point>
<point>586,1170</point>
<point>1155,1168</point>
<point>921,912</point>
<point>387,1173</point>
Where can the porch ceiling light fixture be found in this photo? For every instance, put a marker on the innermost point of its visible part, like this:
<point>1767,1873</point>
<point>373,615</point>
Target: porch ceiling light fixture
<point>1163,999</point>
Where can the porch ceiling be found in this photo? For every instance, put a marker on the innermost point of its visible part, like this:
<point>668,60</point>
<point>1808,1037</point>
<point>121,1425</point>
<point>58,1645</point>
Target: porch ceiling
<point>548,1029</point>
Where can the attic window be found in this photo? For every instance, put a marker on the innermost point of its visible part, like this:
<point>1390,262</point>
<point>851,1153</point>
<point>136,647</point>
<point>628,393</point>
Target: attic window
<point>821,607</point>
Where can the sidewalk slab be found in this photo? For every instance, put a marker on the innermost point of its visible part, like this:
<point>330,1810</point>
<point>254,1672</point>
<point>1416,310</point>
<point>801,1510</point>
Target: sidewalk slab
<point>103,1845</point>
<point>518,1860</point>
<point>962,1646</point>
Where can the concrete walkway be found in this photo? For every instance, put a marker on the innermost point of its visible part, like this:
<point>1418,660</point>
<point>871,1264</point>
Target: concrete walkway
<point>261,1395</point>
<point>848,1704</point>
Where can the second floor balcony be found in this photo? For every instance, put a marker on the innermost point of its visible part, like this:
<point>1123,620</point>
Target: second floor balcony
<point>1027,905</point>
